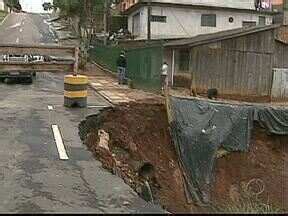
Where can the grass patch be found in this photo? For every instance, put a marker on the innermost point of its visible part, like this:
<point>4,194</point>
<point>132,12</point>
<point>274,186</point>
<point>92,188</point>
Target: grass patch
<point>3,14</point>
<point>249,202</point>
<point>248,205</point>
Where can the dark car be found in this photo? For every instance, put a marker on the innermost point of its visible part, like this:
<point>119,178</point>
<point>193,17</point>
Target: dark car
<point>16,76</point>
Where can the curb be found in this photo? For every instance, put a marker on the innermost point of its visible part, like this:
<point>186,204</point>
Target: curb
<point>105,69</point>
<point>110,74</point>
<point>102,95</point>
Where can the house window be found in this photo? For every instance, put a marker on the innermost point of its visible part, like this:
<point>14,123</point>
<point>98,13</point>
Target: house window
<point>249,23</point>
<point>208,20</point>
<point>262,20</point>
<point>162,19</point>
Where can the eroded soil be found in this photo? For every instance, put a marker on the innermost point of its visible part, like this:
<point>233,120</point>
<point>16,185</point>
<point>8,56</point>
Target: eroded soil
<point>140,149</point>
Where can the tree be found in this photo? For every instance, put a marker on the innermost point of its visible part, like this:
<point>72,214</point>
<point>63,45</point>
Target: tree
<point>13,4</point>
<point>47,6</point>
<point>88,13</point>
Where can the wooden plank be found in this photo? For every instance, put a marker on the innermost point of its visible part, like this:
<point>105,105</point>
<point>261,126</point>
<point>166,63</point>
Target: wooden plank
<point>261,76</point>
<point>284,55</point>
<point>269,74</point>
<point>192,71</point>
<point>76,62</point>
<point>199,75</point>
<point>221,67</point>
<point>252,68</point>
<point>232,61</point>
<point>205,74</point>
<point>279,83</point>
<point>239,73</point>
<point>240,44</point>
<point>285,84</point>
<point>225,71</point>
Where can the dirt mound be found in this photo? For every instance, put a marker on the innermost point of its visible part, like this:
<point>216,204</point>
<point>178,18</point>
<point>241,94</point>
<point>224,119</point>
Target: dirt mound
<point>140,149</point>
<point>140,146</point>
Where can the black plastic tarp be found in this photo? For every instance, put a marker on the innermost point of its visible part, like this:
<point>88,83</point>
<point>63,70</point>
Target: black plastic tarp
<point>200,128</point>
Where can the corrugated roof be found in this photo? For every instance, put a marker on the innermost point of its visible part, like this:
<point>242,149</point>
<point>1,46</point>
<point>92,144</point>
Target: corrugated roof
<point>218,36</point>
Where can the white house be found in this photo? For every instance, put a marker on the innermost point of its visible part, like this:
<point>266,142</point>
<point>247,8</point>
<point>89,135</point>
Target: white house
<point>2,6</point>
<point>187,18</point>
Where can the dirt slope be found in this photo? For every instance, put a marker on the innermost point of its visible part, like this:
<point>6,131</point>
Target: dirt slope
<point>267,160</point>
<point>140,142</point>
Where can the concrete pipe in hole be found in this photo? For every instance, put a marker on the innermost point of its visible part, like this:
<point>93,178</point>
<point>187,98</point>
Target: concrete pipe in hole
<point>146,170</point>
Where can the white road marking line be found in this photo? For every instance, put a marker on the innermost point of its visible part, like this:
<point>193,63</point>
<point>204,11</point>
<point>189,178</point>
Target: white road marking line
<point>59,143</point>
<point>100,106</point>
<point>17,40</point>
<point>50,108</point>
<point>15,25</point>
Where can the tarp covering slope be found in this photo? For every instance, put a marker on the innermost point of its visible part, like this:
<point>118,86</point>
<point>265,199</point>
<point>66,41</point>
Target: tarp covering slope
<point>200,128</point>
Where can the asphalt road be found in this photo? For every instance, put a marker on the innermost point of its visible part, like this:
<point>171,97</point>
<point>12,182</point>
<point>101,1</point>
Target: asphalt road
<point>32,177</point>
<point>26,29</point>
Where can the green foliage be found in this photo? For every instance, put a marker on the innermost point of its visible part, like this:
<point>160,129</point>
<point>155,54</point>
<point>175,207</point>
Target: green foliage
<point>47,6</point>
<point>89,12</point>
<point>13,4</point>
<point>105,56</point>
<point>79,7</point>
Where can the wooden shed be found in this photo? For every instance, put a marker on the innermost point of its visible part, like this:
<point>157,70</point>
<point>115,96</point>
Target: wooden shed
<point>238,62</point>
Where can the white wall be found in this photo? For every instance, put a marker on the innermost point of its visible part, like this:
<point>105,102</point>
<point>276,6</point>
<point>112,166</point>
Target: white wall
<point>186,22</point>
<point>143,21</point>
<point>244,4</point>
<point>1,5</point>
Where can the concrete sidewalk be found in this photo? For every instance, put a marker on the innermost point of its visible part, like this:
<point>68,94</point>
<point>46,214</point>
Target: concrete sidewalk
<point>106,84</point>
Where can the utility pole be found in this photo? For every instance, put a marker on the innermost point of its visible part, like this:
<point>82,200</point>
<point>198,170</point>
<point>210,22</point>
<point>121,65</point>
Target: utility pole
<point>105,19</point>
<point>149,21</point>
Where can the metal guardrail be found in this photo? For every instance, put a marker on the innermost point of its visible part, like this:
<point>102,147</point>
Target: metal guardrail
<point>61,53</point>
<point>63,66</point>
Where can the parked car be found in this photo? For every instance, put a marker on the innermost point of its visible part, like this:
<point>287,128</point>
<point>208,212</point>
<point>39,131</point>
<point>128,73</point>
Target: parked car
<point>11,76</point>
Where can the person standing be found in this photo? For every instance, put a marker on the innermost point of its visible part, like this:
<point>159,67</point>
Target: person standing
<point>122,68</point>
<point>164,77</point>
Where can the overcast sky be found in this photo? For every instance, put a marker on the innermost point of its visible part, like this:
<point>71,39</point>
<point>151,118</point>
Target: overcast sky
<point>33,5</point>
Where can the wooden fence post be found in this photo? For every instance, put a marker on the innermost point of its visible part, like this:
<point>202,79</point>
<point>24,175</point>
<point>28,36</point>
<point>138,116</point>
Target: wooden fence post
<point>76,64</point>
<point>193,90</point>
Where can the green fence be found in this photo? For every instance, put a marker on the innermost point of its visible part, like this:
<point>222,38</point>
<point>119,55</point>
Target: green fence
<point>106,56</point>
<point>144,64</point>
